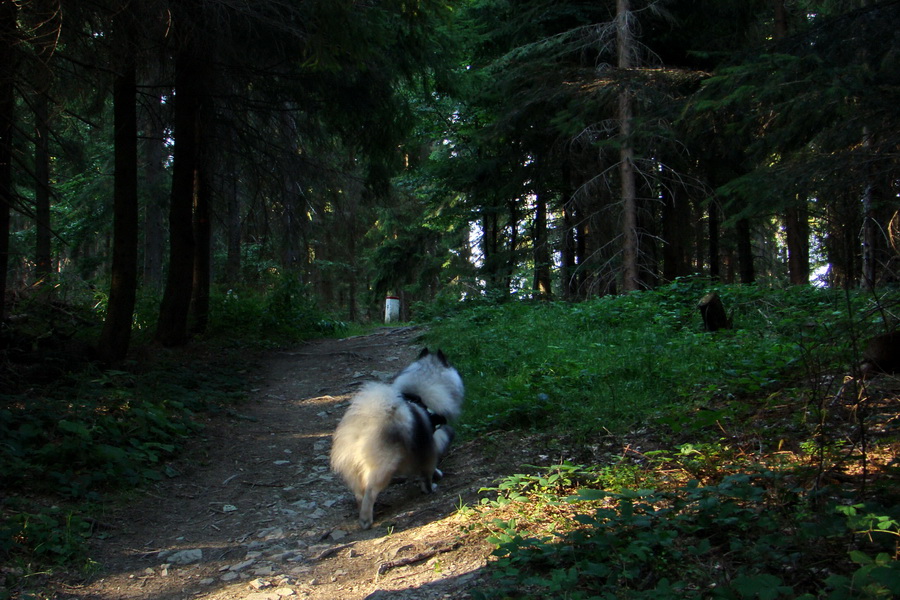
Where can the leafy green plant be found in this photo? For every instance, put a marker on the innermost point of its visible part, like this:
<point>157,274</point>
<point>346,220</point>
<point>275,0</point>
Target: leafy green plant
<point>47,536</point>
<point>550,483</point>
<point>749,536</point>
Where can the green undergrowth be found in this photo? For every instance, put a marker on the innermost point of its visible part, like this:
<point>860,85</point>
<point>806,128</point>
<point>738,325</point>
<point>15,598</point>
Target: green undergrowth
<point>618,362</point>
<point>69,444</point>
<point>749,535</point>
<point>107,428</point>
<point>747,463</point>
<point>73,431</point>
<point>283,311</point>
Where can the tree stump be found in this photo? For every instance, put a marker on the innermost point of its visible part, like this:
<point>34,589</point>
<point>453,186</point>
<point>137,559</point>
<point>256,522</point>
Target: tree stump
<point>713,312</point>
<point>882,354</point>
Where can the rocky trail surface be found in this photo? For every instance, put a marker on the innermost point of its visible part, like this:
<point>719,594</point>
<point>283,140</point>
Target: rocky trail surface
<point>256,514</point>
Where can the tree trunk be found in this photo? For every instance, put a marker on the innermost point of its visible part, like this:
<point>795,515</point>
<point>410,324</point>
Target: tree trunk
<point>8,44</point>
<point>155,205</point>
<point>233,226</point>
<point>796,227</point>
<point>173,312</point>
<point>844,222</point>
<point>745,251</point>
<point>203,192</point>
<point>569,239</point>
<point>490,246</point>
<point>569,254</point>
<point>781,26</point>
<point>510,262</point>
<point>43,233</point>
<point>542,274</point>
<point>713,231</point>
<point>868,223</point>
<point>202,238</point>
<point>630,244</point>
<point>582,233</point>
<point>676,235</point>
<point>796,218</point>
<point>116,334</point>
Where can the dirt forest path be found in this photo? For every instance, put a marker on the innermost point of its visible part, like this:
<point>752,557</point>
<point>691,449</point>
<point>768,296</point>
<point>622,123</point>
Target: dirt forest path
<point>256,514</point>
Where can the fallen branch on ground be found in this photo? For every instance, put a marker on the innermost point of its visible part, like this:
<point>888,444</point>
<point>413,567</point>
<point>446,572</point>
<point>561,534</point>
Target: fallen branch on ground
<point>402,562</point>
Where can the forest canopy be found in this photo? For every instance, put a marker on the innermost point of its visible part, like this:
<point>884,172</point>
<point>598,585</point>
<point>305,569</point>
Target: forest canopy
<point>162,154</point>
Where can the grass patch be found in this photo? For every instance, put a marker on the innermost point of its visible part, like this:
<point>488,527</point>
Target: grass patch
<point>618,362</point>
<point>752,463</point>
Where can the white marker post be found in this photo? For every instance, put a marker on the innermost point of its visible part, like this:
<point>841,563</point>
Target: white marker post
<point>391,309</point>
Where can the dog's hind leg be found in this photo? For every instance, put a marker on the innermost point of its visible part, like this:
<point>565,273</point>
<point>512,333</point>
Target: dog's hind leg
<point>427,484</point>
<point>428,474</point>
<point>375,485</point>
<point>367,508</point>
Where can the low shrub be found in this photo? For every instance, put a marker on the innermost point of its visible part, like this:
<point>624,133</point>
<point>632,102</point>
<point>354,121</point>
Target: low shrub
<point>751,535</point>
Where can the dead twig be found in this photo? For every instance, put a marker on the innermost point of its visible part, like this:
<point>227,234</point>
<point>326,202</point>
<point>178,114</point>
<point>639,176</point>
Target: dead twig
<point>257,484</point>
<point>409,560</point>
<point>332,550</point>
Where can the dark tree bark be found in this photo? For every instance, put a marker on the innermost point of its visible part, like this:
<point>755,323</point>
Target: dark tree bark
<point>294,208</point>
<point>203,191</point>
<point>713,232</point>
<point>796,222</point>
<point>43,234</point>
<point>582,232</point>
<point>155,203</point>
<point>631,277</point>
<point>796,218</point>
<point>569,254</point>
<point>542,273</point>
<point>353,198</point>
<point>869,223</point>
<point>569,239</point>
<point>202,225</point>
<point>841,241</point>
<point>233,224</point>
<point>510,262</point>
<point>171,329</point>
<point>745,251</point>
<point>116,334</point>
<point>8,43</point>
<point>203,245</point>
<point>491,246</point>
<point>676,236</point>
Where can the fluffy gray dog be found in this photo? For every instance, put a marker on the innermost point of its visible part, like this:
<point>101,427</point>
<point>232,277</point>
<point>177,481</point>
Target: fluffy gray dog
<point>397,429</point>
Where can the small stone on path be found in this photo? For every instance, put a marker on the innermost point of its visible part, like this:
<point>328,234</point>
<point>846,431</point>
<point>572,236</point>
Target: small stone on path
<point>259,584</point>
<point>241,565</point>
<point>186,557</point>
